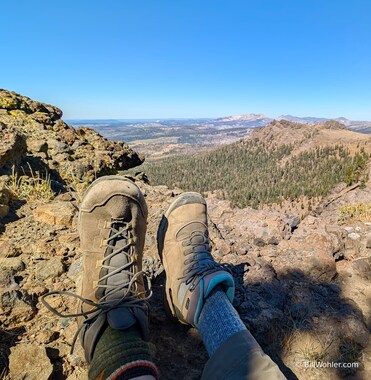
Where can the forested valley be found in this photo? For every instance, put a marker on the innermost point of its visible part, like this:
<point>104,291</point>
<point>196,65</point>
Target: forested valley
<point>253,173</point>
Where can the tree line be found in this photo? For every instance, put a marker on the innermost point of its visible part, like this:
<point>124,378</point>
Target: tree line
<point>251,173</point>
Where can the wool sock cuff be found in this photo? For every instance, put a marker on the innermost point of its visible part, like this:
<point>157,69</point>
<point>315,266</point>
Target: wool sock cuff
<point>218,320</point>
<point>134,369</point>
<point>121,355</point>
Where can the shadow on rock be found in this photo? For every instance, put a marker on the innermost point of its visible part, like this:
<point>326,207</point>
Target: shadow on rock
<point>31,165</point>
<point>54,356</point>
<point>12,214</point>
<point>300,319</point>
<point>177,349</point>
<point>8,339</point>
<point>294,318</point>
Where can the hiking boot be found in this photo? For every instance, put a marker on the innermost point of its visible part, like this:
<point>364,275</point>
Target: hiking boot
<point>184,248</point>
<point>112,227</point>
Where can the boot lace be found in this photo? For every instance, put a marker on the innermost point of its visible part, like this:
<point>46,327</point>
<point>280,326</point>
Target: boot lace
<point>130,298</point>
<point>200,262</point>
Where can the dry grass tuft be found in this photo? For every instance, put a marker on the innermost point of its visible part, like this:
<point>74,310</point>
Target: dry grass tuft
<point>314,347</point>
<point>355,212</point>
<point>34,187</point>
<point>73,182</point>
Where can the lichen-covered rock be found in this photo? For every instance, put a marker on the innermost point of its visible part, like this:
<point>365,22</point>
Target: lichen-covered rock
<point>10,100</point>
<point>49,268</point>
<point>15,306</point>
<point>37,145</point>
<point>13,264</point>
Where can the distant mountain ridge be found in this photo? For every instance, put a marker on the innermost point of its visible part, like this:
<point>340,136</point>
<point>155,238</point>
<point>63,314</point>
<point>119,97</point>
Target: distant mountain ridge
<point>303,120</point>
<point>355,125</point>
<point>251,120</point>
<point>244,117</point>
<point>260,120</point>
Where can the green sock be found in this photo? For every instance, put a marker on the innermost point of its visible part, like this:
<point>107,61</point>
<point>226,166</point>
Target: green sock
<point>121,355</point>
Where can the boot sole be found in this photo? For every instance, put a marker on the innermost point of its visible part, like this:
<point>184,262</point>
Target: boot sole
<point>169,309</point>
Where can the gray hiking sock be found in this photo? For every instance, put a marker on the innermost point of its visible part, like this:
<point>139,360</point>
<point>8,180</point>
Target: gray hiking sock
<point>218,320</point>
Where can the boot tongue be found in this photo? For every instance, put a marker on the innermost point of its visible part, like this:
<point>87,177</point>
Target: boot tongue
<point>121,319</point>
<point>189,231</point>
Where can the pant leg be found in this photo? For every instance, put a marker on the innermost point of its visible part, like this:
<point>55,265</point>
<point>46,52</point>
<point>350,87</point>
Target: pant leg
<point>241,358</point>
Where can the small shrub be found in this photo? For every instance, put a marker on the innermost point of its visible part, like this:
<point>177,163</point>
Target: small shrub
<point>33,187</point>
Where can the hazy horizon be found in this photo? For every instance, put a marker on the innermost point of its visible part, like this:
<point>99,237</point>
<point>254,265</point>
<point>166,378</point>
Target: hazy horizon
<point>72,120</point>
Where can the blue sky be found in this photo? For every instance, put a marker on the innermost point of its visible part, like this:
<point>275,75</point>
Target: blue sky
<point>186,58</point>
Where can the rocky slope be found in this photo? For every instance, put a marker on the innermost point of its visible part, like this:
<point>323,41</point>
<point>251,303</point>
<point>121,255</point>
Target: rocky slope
<point>305,137</point>
<point>302,286</point>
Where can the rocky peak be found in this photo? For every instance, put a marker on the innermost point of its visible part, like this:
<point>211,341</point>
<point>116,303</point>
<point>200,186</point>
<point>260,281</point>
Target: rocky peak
<point>15,103</point>
<point>333,124</point>
<point>33,135</point>
<point>307,136</point>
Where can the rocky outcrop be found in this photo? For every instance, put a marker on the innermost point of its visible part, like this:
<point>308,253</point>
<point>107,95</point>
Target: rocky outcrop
<point>13,103</point>
<point>33,136</point>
